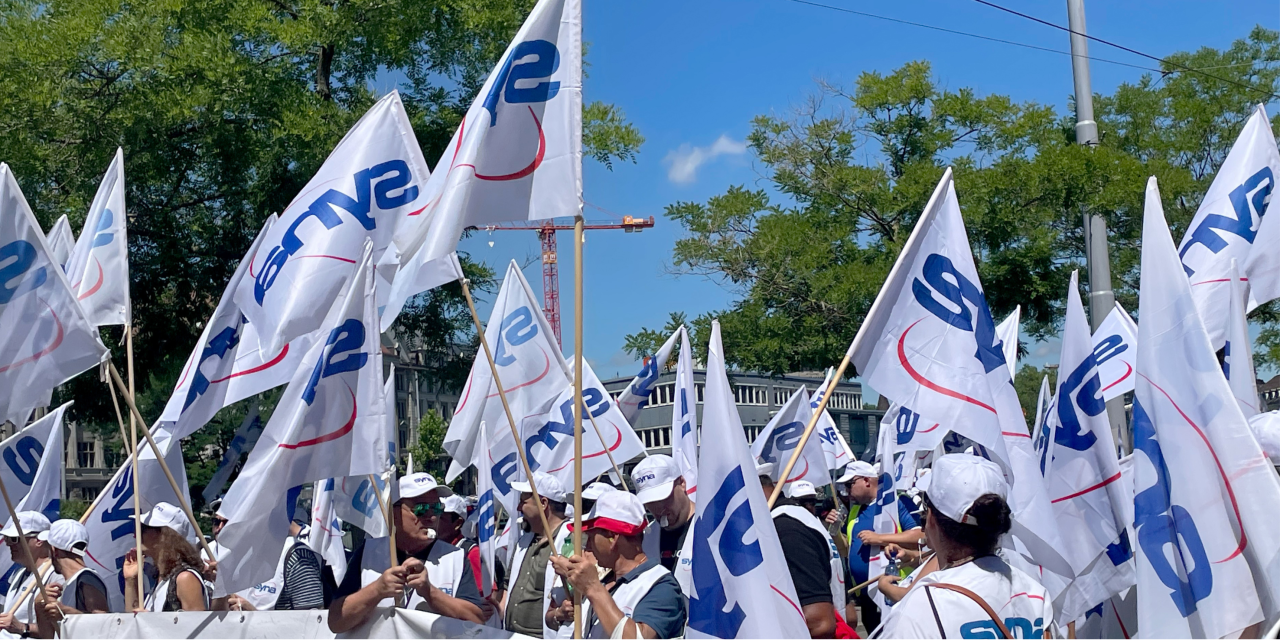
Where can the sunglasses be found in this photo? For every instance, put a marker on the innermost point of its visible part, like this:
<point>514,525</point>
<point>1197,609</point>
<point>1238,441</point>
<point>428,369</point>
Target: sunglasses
<point>423,509</point>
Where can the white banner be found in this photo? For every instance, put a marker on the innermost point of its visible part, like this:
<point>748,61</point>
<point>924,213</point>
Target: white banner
<point>372,181</point>
<point>636,396</point>
<point>517,155</point>
<point>1237,363</point>
<point>99,264</point>
<point>684,417</point>
<point>330,422</point>
<point>1206,495</point>
<point>1115,343</point>
<point>1082,472</point>
<point>110,523</point>
<point>383,623</point>
<point>741,585</point>
<point>1007,334</point>
<point>60,241</point>
<point>778,440</point>
<point>45,338</point>
<point>226,365</point>
<point>1228,220</point>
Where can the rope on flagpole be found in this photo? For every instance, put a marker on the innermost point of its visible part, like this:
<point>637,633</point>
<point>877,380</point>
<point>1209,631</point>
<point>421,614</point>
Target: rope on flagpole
<point>183,501</point>
<point>808,430</point>
<point>515,435</point>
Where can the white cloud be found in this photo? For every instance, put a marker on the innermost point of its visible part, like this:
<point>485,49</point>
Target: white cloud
<point>683,163</point>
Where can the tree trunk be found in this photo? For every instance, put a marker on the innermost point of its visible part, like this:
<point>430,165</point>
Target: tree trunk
<point>323,69</point>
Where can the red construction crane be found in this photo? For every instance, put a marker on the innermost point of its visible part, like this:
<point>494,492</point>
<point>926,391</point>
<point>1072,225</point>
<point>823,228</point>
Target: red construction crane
<point>550,268</point>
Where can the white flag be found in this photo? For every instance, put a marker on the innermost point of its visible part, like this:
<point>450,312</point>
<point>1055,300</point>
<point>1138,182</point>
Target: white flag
<point>244,440</point>
<point>1044,403</point>
<point>741,585</point>
<point>517,155</point>
<point>486,516</point>
<point>32,473</point>
<point>329,423</point>
<point>1082,473</point>
<point>1007,334</point>
<point>1228,220</point>
<point>99,265</point>
<point>532,369</point>
<point>1206,496</point>
<point>355,499</point>
<point>778,440</point>
<point>684,417</point>
<point>1237,363</point>
<point>110,523</point>
<point>61,241</point>
<point>45,338</point>
<point>1115,343</point>
<point>326,529</point>
<point>372,181</point>
<point>834,447</point>
<point>636,396</point>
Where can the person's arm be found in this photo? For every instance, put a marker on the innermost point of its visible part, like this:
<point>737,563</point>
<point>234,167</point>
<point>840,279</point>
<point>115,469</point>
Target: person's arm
<point>302,579</point>
<point>820,617</point>
<point>439,601</point>
<point>190,591</point>
<point>129,570</point>
<point>582,574</point>
<point>350,611</point>
<point>909,539</point>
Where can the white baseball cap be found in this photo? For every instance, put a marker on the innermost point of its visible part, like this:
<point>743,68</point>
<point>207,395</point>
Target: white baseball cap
<point>548,487</point>
<point>418,484</point>
<point>33,523</point>
<point>765,468</point>
<point>858,469</point>
<point>65,534</point>
<point>654,477</point>
<point>596,490</point>
<point>800,489</point>
<point>455,505</point>
<point>167,515</point>
<point>616,511</point>
<point>957,480</point>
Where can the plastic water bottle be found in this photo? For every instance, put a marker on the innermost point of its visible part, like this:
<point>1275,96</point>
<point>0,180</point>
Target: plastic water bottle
<point>894,566</point>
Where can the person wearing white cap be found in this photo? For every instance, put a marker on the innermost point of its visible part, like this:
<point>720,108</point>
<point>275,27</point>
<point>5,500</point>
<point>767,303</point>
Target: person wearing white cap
<point>966,513</point>
<point>167,538</point>
<point>803,494</point>
<point>662,489</point>
<point>22,622</point>
<point>861,482</point>
<point>433,574</point>
<point>531,592</point>
<point>644,599</point>
<point>84,591</point>
<point>817,571</point>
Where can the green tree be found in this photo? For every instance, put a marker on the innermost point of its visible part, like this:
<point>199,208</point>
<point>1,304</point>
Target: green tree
<point>1027,383</point>
<point>225,108</point>
<point>849,172</point>
<point>430,445</point>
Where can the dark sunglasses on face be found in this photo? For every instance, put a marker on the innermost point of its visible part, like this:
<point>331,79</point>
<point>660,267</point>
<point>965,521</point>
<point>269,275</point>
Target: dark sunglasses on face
<point>424,509</point>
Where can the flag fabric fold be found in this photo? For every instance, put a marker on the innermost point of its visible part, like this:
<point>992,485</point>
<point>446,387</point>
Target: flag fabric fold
<point>684,417</point>
<point>61,241</point>
<point>1115,341</point>
<point>98,267</point>
<point>741,585</point>
<point>1237,364</point>
<point>636,396</point>
<point>1007,334</point>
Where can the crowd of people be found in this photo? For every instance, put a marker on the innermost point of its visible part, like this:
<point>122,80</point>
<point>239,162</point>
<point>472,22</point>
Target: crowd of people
<point>634,575</point>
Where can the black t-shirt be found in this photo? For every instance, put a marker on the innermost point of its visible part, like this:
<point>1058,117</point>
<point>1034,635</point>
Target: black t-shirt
<point>808,559</point>
<point>669,544</point>
<point>466,588</point>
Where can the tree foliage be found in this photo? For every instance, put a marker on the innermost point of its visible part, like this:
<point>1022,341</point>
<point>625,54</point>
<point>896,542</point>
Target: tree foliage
<point>430,445</point>
<point>225,108</point>
<point>847,174</point>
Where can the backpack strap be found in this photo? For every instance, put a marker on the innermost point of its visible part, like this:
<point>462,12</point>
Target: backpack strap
<point>974,597</point>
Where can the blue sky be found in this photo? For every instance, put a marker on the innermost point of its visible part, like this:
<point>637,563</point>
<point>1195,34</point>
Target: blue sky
<point>691,75</point>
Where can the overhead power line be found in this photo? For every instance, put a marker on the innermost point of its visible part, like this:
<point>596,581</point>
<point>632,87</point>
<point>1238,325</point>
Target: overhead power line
<point>965,33</point>
<point>1178,65</point>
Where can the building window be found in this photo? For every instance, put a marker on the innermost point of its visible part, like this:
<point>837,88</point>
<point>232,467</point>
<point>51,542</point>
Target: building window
<point>781,395</point>
<point>700,387</point>
<point>847,401</point>
<point>753,432</point>
<point>401,410</point>
<point>87,454</point>
<point>662,394</point>
<point>751,394</point>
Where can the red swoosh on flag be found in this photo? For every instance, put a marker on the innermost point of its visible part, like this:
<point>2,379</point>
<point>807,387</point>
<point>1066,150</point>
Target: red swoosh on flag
<point>784,597</point>
<point>533,166</point>
<point>933,428</point>
<point>331,436</point>
<point>1231,493</point>
<point>262,367</point>
<point>1127,373</point>
<point>929,384</point>
<point>614,447</point>
<point>57,341</point>
<point>802,473</point>
<point>97,285</point>
<point>1089,489</point>
<point>1196,284</point>
<point>349,260</point>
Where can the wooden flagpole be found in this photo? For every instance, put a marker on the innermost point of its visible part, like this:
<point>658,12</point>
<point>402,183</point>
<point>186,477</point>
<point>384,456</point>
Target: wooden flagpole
<point>133,431</point>
<point>515,434</point>
<point>183,501</point>
<point>813,420</point>
<point>578,408</point>
<point>131,448</point>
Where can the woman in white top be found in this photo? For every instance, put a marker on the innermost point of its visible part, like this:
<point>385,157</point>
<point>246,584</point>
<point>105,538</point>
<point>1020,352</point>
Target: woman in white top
<point>972,593</point>
<point>166,535</point>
